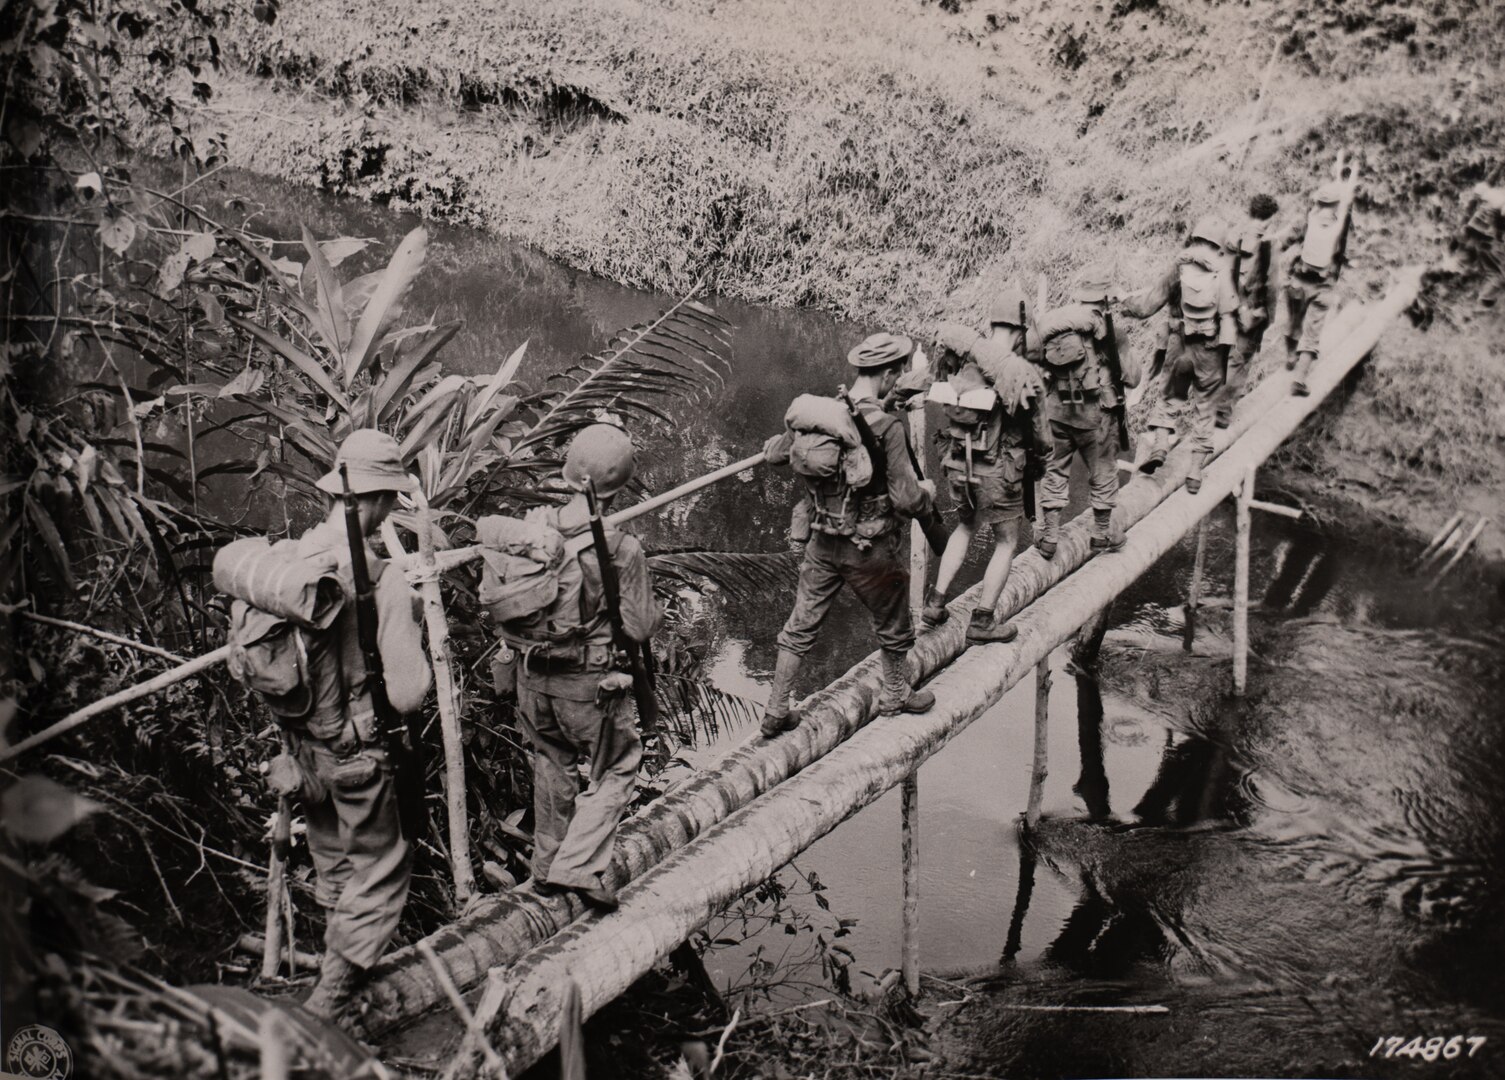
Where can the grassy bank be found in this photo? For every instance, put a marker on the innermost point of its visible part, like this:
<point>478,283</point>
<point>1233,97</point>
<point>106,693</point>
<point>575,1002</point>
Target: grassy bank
<point>901,161</point>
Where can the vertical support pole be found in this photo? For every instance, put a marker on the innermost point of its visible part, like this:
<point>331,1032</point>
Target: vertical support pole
<point>910,956</point>
<point>571,1035</point>
<point>1194,592</point>
<point>919,547</point>
<point>1040,769</point>
<point>274,1041</point>
<point>1241,586</point>
<point>447,693</point>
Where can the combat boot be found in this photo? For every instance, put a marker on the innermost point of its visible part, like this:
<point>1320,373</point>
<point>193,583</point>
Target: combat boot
<point>1050,534</point>
<point>1304,362</point>
<point>338,979</point>
<point>1103,536</point>
<point>778,716</point>
<point>1159,447</point>
<point>898,695</point>
<point>986,627</point>
<point>1194,474</point>
<point>600,896</point>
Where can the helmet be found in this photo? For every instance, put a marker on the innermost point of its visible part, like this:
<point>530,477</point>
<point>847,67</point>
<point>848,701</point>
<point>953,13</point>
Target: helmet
<point>955,337</point>
<point>881,350</point>
<point>1330,193</point>
<point>1093,284</point>
<point>1005,310</point>
<point>602,454</point>
<point>1210,230</point>
<point>373,462</point>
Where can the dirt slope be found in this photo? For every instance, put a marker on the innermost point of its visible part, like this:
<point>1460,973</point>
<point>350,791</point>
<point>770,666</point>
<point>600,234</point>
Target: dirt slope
<point>900,161</point>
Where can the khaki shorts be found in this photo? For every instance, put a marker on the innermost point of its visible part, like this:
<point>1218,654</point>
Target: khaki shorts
<point>994,498</point>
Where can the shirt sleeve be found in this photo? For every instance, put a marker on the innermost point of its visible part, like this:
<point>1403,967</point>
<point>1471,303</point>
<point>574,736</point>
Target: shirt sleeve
<point>641,613</point>
<point>1227,308</point>
<point>904,489</point>
<point>1147,301</point>
<point>403,660</point>
<point>776,448</point>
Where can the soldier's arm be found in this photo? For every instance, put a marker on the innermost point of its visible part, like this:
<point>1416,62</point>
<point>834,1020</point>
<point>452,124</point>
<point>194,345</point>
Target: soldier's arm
<point>904,489</point>
<point>1128,363</point>
<point>401,643</point>
<point>776,448</point>
<point>1147,301</point>
<point>641,613</point>
<point>1227,309</point>
<point>1040,431</point>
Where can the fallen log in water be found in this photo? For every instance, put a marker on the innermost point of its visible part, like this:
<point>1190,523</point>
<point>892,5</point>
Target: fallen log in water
<point>501,929</point>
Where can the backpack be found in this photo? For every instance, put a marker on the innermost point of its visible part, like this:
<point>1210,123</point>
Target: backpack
<point>1068,335</point>
<point>826,445</point>
<point>277,596</point>
<point>1198,281</point>
<point>1326,237</point>
<point>973,412</point>
<point>530,578</point>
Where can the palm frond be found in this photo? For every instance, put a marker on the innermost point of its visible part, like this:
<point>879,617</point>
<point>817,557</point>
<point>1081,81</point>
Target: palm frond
<point>739,574</point>
<point>697,712</point>
<point>675,354</point>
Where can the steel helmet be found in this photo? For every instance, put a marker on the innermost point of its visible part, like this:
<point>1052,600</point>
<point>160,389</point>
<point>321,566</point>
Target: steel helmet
<point>1209,230</point>
<point>1005,310</point>
<point>955,337</point>
<point>881,350</point>
<point>602,454</point>
<point>1093,284</point>
<point>372,460</point>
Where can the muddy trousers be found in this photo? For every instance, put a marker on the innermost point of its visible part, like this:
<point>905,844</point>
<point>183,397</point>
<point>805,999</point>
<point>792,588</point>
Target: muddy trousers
<point>361,861</point>
<point>1194,379</point>
<point>1309,301</point>
<point>879,576</point>
<point>1098,445</point>
<point>574,830</point>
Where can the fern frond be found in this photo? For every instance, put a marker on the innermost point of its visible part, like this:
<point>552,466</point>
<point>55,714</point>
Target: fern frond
<point>674,355</point>
<point>739,574</point>
<point>697,712</point>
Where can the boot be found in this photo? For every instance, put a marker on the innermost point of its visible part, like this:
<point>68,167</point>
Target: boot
<point>600,896</point>
<point>986,627</point>
<point>1050,535</point>
<point>1103,536</point>
<point>1159,446</point>
<point>1304,362</point>
<point>1194,475</point>
<point>338,979</point>
<point>777,715</point>
<point>898,695</point>
<point>934,612</point>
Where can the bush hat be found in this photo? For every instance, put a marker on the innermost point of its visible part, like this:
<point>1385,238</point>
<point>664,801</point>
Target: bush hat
<point>881,350</point>
<point>373,461</point>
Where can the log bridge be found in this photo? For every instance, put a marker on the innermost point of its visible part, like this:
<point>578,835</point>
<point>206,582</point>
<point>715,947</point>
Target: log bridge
<point>688,855</point>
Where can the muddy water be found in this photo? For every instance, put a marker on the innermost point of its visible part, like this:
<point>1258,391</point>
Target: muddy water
<point>1276,883</point>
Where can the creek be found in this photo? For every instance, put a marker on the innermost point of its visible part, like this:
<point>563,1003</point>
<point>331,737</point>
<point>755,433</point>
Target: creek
<point>1275,883</point>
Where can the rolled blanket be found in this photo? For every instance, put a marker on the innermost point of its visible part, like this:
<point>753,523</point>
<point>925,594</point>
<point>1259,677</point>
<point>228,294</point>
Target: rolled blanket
<point>276,580</point>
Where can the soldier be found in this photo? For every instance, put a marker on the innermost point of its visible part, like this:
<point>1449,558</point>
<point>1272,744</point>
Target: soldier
<point>1314,276</point>
<point>1484,240</point>
<point>1081,403</point>
<point>996,440</point>
<point>1199,336</point>
<point>855,505</point>
<point>571,689</point>
<point>1256,280</point>
<point>335,758</point>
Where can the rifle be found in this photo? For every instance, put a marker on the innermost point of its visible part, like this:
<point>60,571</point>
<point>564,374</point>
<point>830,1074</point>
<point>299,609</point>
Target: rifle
<point>931,524</point>
<point>403,737</point>
<point>1262,277</point>
<point>1027,418</point>
<point>1116,373</point>
<point>639,655</point>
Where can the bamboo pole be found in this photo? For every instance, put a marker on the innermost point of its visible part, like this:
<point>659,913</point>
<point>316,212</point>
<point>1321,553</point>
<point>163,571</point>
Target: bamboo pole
<point>1245,495</point>
<point>1040,768</point>
<point>271,955</point>
<point>1462,549</point>
<point>501,928</point>
<point>273,1039</point>
<point>447,691</point>
<point>444,560</point>
<point>103,635</point>
<point>1275,508</point>
<point>1442,534</point>
<point>910,839</point>
<point>122,697</point>
<point>700,877</point>
<point>1194,591</point>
